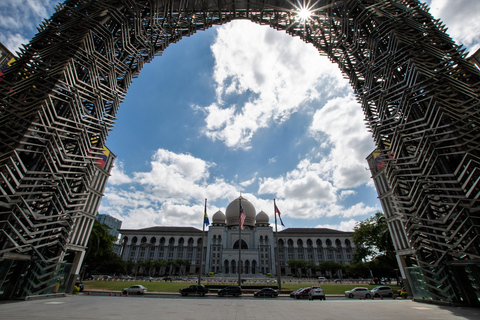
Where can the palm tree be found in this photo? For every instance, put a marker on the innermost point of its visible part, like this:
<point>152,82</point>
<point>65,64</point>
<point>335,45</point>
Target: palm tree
<point>159,266</point>
<point>149,266</point>
<point>183,266</point>
<point>172,266</point>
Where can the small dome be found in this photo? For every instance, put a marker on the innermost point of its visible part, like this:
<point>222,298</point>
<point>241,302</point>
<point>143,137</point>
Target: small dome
<point>233,212</point>
<point>262,218</point>
<point>218,217</point>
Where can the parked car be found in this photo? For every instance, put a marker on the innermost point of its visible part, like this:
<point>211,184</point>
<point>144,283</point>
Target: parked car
<point>135,289</point>
<point>193,279</point>
<point>292,294</point>
<point>148,278</point>
<point>337,280</point>
<point>125,277</point>
<point>167,278</point>
<point>194,289</point>
<point>266,292</point>
<point>322,279</point>
<point>358,292</point>
<point>316,293</point>
<point>383,291</point>
<point>230,291</point>
<point>302,294</point>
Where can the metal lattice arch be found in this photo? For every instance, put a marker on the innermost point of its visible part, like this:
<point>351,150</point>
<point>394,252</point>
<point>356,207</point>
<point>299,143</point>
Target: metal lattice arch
<point>419,95</point>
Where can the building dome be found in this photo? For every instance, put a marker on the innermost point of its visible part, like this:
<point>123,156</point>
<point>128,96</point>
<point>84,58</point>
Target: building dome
<point>233,212</point>
<point>218,218</point>
<point>262,218</point>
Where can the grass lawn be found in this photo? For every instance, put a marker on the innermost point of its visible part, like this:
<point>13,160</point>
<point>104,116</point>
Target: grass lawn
<point>156,286</point>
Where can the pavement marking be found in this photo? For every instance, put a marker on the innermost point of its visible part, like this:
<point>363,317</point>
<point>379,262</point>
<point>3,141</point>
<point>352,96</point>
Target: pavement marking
<point>422,308</point>
<point>54,302</point>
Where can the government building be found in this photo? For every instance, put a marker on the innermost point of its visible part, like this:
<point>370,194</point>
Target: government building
<point>221,244</point>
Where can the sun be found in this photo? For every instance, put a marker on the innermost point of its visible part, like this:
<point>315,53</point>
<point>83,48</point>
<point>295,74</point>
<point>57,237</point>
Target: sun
<point>304,14</point>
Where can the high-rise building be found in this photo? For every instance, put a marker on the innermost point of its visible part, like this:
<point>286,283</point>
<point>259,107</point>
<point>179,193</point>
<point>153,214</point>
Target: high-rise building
<point>113,223</point>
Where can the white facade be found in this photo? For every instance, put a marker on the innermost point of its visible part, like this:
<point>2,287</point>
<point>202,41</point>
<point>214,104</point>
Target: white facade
<point>221,249</point>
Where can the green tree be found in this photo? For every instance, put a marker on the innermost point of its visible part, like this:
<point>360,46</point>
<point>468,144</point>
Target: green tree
<point>296,266</point>
<point>184,264</point>
<point>149,267</point>
<point>372,239</point>
<point>330,266</point>
<point>357,270</point>
<point>374,246</point>
<point>100,256</point>
<point>302,268</point>
<point>130,266</point>
<point>161,265</point>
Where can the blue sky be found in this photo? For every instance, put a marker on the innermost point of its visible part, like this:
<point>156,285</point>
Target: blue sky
<point>235,109</point>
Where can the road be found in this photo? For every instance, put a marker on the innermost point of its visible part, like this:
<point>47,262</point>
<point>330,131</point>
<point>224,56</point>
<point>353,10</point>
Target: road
<point>211,307</point>
<point>215,296</point>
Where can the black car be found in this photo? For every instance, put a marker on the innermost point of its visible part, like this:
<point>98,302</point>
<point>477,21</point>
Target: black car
<point>266,292</point>
<point>194,289</point>
<point>230,291</point>
<point>293,293</point>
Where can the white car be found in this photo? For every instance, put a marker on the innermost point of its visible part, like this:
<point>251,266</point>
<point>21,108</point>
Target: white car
<point>358,292</point>
<point>135,289</point>
<point>382,291</point>
<point>316,293</point>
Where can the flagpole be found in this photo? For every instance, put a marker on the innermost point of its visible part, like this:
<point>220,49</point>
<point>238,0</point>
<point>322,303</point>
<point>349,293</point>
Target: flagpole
<point>279,277</point>
<point>201,250</point>
<point>239,243</point>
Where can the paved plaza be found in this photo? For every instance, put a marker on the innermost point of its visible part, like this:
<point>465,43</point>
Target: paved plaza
<point>142,308</point>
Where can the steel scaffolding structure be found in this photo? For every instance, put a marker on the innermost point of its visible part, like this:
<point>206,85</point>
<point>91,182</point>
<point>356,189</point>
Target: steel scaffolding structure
<point>419,94</point>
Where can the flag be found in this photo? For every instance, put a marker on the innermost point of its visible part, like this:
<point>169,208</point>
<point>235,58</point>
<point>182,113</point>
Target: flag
<point>242,217</point>
<point>103,157</point>
<point>278,212</point>
<point>205,217</point>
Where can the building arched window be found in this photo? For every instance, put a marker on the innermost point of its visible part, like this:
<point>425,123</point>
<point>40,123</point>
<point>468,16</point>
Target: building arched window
<point>244,245</point>
<point>153,240</point>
